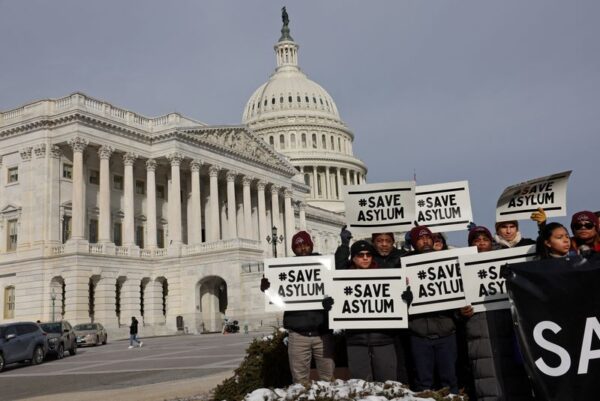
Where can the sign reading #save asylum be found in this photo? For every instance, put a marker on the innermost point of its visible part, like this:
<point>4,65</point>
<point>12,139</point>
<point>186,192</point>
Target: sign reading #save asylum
<point>518,201</point>
<point>386,207</point>
<point>297,283</point>
<point>485,290</point>
<point>435,280</point>
<point>444,207</point>
<point>367,299</point>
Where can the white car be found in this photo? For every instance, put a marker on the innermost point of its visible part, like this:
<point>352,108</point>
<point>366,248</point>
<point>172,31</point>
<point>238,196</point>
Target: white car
<point>90,334</point>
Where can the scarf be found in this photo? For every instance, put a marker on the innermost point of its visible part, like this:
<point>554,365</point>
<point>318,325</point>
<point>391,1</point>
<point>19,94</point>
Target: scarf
<point>509,244</point>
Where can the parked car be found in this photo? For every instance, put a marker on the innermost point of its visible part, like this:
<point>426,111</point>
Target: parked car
<point>19,342</point>
<point>61,337</point>
<point>90,334</point>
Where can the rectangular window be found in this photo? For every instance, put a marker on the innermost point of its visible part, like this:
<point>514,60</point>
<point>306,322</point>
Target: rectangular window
<point>117,234</point>
<point>160,238</point>
<point>66,228</point>
<point>93,237</point>
<point>160,191</point>
<point>94,177</point>
<point>12,235</point>
<point>9,303</point>
<point>13,174</point>
<point>67,171</point>
<point>118,182</point>
<point>139,236</point>
<point>140,187</point>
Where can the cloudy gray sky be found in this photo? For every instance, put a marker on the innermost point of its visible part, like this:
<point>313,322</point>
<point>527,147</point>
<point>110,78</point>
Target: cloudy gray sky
<point>494,92</point>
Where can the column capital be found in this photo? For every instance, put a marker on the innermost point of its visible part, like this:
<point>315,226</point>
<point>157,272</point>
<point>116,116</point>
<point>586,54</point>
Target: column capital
<point>78,143</point>
<point>175,158</point>
<point>40,150</point>
<point>302,206</point>
<point>213,170</point>
<point>260,185</point>
<point>274,189</point>
<point>151,165</point>
<point>105,151</point>
<point>55,152</point>
<point>129,158</point>
<point>231,174</point>
<point>287,192</point>
<point>195,165</point>
<point>247,180</point>
<point>25,153</point>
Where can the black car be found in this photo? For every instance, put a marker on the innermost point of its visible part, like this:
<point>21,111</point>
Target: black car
<point>61,337</point>
<point>19,342</point>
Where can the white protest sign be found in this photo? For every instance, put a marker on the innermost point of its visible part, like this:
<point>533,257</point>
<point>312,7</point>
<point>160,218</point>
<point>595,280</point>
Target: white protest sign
<point>485,290</point>
<point>518,201</point>
<point>435,280</point>
<point>367,299</point>
<point>386,207</point>
<point>297,283</point>
<point>444,207</point>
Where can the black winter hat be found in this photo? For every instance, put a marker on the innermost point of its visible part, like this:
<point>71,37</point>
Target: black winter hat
<point>361,246</point>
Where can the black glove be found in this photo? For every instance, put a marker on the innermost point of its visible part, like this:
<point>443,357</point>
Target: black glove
<point>471,226</point>
<point>264,284</point>
<point>345,236</point>
<point>407,296</point>
<point>327,303</point>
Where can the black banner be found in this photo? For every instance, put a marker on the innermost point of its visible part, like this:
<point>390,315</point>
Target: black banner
<point>556,304</point>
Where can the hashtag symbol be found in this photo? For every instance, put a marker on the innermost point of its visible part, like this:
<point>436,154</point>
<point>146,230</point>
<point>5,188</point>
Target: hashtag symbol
<point>282,276</point>
<point>348,290</point>
<point>482,274</point>
<point>422,274</point>
<point>362,202</point>
<point>421,203</point>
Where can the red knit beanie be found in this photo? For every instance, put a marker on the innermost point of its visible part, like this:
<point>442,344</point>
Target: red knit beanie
<point>475,231</point>
<point>301,237</point>
<point>417,232</point>
<point>582,216</point>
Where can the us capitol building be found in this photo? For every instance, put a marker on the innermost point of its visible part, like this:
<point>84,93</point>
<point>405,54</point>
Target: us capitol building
<point>106,214</point>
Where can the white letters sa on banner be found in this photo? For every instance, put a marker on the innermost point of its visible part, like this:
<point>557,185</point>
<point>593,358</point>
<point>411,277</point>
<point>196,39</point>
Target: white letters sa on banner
<point>444,207</point>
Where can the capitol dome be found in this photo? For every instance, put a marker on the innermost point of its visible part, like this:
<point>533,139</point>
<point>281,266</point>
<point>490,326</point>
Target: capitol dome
<point>300,120</point>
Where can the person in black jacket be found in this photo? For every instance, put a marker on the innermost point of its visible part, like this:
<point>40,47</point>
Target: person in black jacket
<point>133,332</point>
<point>386,254</point>
<point>308,331</point>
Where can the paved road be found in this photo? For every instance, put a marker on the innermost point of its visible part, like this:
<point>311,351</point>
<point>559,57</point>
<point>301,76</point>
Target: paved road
<point>114,366</point>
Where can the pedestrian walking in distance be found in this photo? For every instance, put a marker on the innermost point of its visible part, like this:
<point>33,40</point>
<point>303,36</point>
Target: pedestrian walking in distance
<point>133,332</point>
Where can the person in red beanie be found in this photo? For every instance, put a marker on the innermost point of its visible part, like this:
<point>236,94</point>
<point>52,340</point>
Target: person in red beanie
<point>309,335</point>
<point>584,226</point>
<point>481,237</point>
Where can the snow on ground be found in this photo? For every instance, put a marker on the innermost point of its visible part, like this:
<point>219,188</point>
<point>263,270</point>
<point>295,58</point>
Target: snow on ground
<point>354,389</point>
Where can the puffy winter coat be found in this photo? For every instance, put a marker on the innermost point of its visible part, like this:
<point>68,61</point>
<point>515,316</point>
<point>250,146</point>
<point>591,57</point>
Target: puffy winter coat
<point>495,359</point>
<point>392,260</point>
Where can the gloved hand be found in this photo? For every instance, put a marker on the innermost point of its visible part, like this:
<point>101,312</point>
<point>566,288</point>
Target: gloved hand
<point>466,311</point>
<point>407,296</point>
<point>471,226</point>
<point>327,303</point>
<point>345,236</point>
<point>539,216</point>
<point>264,284</point>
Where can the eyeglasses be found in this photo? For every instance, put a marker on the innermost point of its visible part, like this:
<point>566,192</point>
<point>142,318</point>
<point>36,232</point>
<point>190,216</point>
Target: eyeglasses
<point>364,254</point>
<point>588,226</point>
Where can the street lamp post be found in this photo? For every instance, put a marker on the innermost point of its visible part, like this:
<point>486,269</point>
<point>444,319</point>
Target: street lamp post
<point>53,297</point>
<point>274,240</point>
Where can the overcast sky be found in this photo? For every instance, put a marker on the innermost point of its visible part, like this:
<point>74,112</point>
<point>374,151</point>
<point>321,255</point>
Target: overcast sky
<point>493,92</point>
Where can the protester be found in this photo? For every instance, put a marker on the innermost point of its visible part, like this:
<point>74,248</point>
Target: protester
<point>371,353</point>
<point>439,242</point>
<point>133,333</point>
<point>433,338</point>
<point>554,242</point>
<point>509,236</point>
<point>309,334</point>
<point>497,368</point>
<point>386,254</point>
<point>586,232</point>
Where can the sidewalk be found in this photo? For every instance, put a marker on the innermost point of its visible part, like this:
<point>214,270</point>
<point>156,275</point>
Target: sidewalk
<point>152,392</point>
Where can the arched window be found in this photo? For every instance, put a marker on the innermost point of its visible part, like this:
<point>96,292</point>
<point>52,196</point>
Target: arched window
<point>293,141</point>
<point>304,141</point>
<point>281,141</point>
<point>271,141</point>
<point>324,141</point>
<point>332,143</point>
<point>314,141</point>
<point>9,302</point>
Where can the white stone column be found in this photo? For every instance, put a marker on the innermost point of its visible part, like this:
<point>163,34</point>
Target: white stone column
<point>151,241</point>
<point>347,177</point>
<point>231,209</point>
<point>275,214</point>
<point>39,191</point>
<point>128,194</point>
<point>262,214</point>
<point>302,207</point>
<point>175,200</point>
<point>78,145</point>
<point>214,230</point>
<point>290,225</point>
<point>54,234</point>
<point>153,304</point>
<point>195,229</point>
<point>105,301</point>
<point>357,175</point>
<point>246,181</point>
<point>104,153</point>
<point>76,296</point>
<point>315,182</point>
<point>26,201</point>
<point>328,189</point>
<point>338,178</point>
